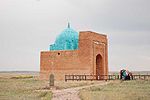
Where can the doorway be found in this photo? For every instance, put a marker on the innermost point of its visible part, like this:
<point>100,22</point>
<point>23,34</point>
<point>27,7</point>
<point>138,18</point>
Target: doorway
<point>99,67</point>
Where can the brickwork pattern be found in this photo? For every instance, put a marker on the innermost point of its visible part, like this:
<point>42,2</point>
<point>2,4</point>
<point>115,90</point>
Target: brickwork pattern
<point>81,61</point>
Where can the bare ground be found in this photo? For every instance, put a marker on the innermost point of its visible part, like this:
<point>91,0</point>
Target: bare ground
<point>71,93</point>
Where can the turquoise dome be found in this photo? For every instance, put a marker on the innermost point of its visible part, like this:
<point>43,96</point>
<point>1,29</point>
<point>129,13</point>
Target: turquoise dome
<point>67,40</point>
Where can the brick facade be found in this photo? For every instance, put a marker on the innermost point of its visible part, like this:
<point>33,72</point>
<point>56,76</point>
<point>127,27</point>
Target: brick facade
<point>91,58</point>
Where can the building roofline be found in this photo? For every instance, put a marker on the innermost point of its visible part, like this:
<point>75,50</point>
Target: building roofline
<point>94,32</point>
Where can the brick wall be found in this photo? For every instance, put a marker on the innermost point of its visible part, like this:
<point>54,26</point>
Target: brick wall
<point>81,61</point>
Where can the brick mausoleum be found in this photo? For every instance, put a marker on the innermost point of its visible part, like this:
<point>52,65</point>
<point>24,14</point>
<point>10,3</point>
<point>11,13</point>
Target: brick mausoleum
<point>83,53</point>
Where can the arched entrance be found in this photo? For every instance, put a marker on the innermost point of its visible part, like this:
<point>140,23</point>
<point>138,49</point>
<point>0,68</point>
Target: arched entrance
<point>99,67</point>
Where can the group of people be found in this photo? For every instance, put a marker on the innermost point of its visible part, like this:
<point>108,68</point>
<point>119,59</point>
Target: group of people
<point>125,75</point>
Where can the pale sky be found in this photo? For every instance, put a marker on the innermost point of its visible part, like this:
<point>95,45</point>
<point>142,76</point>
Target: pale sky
<point>30,26</point>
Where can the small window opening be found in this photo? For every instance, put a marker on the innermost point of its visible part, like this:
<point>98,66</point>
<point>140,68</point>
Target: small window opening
<point>58,53</point>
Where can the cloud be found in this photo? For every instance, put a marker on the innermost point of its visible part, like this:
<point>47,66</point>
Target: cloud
<point>29,26</point>
<point>115,14</point>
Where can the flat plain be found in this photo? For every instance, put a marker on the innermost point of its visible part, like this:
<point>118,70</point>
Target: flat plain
<point>28,86</point>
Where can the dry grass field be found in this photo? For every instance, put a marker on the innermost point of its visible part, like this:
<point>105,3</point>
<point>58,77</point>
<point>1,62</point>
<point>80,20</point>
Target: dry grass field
<point>22,87</point>
<point>118,90</point>
<point>27,86</point>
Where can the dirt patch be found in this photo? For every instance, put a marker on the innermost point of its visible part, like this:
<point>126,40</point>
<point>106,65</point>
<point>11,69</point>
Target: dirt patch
<point>71,93</point>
